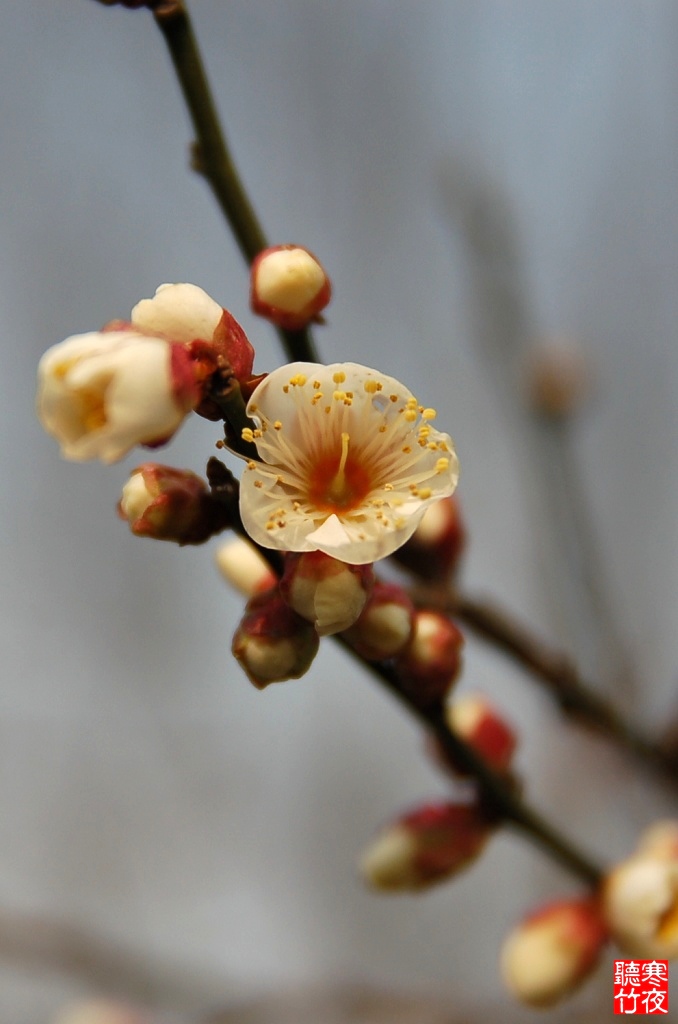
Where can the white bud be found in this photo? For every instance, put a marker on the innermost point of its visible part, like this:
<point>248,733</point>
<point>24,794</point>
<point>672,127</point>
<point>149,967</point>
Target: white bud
<point>183,312</point>
<point>640,901</point>
<point>551,952</point>
<point>244,567</point>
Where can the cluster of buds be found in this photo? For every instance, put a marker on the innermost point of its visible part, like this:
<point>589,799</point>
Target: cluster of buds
<point>134,382</point>
<point>548,956</point>
<point>316,596</point>
<point>289,286</point>
<point>640,896</point>
<point>428,845</point>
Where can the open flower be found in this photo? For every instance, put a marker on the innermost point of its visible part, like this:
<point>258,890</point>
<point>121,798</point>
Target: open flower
<point>100,394</point>
<point>349,462</point>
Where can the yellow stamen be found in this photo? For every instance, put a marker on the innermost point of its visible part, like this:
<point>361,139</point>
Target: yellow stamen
<point>425,492</point>
<point>247,434</point>
<point>442,465</point>
<point>278,425</point>
<point>339,377</point>
<point>429,414</point>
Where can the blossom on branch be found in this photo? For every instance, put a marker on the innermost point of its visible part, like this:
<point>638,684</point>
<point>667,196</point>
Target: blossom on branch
<point>102,393</point>
<point>348,462</point>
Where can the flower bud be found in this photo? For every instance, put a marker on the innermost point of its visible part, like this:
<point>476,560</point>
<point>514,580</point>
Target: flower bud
<point>100,1011</point>
<point>385,624</point>
<point>289,286</point>
<point>272,643</point>
<point>168,504</point>
<point>473,718</point>
<point>100,394</point>
<point>640,904</point>
<point>430,663</point>
<point>428,845</point>
<point>435,548</point>
<point>329,593</point>
<point>558,378</point>
<point>244,568</point>
<point>553,951</point>
<point>660,840</point>
<point>187,314</point>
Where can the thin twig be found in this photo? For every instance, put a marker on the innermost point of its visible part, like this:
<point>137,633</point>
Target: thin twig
<point>212,157</point>
<point>553,668</point>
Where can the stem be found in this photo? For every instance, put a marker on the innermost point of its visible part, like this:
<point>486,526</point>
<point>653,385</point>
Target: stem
<point>212,157</point>
<point>553,669</point>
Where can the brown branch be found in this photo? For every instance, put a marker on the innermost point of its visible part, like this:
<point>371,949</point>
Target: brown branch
<point>553,668</point>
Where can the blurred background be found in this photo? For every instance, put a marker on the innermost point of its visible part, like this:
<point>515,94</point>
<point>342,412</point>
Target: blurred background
<point>476,178</point>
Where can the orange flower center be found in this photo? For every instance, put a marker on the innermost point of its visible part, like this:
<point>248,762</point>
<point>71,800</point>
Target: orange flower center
<point>339,482</point>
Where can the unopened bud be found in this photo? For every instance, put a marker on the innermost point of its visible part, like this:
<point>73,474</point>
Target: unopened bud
<point>430,663</point>
<point>640,903</point>
<point>100,1011</point>
<point>474,720</point>
<point>241,565</point>
<point>558,378</point>
<point>169,504</point>
<point>329,593</point>
<point>660,840</point>
<point>187,314</point>
<point>288,286</point>
<point>272,643</point>
<point>435,548</point>
<point>553,951</point>
<point>426,846</point>
<point>385,625</point>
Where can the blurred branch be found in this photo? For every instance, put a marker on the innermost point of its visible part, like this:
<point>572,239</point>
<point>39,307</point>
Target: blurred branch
<point>39,943</point>
<point>505,334</point>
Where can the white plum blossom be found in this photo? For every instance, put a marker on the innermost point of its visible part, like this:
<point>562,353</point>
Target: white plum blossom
<point>348,462</point>
<point>102,393</point>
